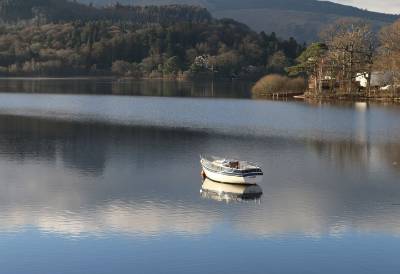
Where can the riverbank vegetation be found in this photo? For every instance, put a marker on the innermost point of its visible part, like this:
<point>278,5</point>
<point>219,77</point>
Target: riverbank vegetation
<point>352,61</point>
<point>143,42</point>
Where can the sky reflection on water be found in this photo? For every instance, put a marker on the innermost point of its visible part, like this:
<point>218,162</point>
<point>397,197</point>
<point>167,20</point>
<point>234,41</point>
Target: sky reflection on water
<point>81,195</point>
<point>66,184</point>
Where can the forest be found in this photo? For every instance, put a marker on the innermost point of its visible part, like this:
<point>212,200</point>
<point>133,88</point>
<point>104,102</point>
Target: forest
<point>152,41</point>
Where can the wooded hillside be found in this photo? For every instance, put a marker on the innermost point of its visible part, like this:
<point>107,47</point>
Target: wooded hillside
<point>63,10</point>
<point>154,41</point>
<point>290,18</point>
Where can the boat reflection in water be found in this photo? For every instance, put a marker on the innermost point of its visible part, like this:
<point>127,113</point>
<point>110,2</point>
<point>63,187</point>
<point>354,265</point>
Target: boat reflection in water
<point>229,192</point>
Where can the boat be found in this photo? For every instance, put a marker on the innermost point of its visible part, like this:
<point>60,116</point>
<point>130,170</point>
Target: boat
<point>231,171</point>
<point>229,192</point>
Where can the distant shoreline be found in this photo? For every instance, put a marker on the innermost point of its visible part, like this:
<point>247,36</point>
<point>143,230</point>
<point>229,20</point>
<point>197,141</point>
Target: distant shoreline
<point>113,77</point>
<point>283,96</point>
<point>55,77</point>
<point>380,96</point>
<point>276,96</point>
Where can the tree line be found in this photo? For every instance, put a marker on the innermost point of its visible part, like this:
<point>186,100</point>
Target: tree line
<point>162,41</point>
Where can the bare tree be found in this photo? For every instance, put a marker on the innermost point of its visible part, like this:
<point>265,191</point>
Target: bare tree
<point>352,45</point>
<point>388,58</point>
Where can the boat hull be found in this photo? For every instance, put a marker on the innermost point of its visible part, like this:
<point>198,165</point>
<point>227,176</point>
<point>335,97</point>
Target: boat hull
<point>232,179</point>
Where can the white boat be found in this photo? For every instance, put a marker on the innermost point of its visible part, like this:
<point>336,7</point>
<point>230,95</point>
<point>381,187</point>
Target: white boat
<point>229,192</point>
<point>231,171</point>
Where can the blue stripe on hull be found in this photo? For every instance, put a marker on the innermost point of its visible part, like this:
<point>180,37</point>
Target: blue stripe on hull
<point>234,174</point>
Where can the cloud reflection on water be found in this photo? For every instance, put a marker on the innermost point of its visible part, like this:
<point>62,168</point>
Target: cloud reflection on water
<point>82,179</point>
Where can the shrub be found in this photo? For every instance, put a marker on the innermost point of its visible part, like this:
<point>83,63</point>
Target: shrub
<point>274,83</point>
<point>269,84</point>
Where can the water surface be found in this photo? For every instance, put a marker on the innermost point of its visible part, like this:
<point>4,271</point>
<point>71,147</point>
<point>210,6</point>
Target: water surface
<point>115,86</point>
<point>111,184</point>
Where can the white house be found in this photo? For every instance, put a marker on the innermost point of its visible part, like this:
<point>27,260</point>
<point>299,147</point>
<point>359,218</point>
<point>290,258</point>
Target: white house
<point>378,79</point>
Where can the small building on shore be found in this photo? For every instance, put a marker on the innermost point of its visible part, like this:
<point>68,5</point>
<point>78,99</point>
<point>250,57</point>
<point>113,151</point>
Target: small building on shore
<point>379,79</point>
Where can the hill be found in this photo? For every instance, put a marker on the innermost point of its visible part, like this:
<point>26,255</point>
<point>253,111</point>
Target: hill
<point>64,10</point>
<point>57,37</point>
<point>290,18</point>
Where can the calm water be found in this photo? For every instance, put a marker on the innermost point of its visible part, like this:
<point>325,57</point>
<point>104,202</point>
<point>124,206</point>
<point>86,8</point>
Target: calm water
<point>111,184</point>
<point>111,86</point>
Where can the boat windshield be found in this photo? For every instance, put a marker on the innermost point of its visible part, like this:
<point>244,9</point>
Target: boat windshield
<point>234,164</point>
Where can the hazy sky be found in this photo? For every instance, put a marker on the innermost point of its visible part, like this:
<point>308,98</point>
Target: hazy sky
<point>389,6</point>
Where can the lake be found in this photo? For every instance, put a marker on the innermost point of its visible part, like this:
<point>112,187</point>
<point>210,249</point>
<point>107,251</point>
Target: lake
<point>108,181</point>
